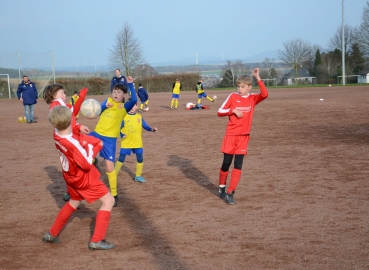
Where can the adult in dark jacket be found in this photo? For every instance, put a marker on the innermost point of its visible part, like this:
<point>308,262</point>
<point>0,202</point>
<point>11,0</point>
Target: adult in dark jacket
<point>118,78</point>
<point>27,93</point>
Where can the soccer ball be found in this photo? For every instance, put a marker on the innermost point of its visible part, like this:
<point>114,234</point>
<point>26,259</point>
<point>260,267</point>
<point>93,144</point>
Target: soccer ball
<point>22,119</point>
<point>215,97</point>
<point>189,105</point>
<point>90,108</point>
<point>146,109</point>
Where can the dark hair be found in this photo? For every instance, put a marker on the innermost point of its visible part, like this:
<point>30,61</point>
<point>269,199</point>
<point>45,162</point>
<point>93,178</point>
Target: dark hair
<point>50,92</point>
<point>120,87</point>
<point>25,76</point>
<point>140,84</point>
<point>75,92</point>
<point>117,69</point>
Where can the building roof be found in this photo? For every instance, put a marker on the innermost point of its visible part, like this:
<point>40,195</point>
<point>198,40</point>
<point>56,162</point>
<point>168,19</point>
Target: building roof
<point>364,72</point>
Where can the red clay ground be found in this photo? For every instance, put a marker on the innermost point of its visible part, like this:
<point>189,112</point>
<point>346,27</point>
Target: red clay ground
<point>302,203</point>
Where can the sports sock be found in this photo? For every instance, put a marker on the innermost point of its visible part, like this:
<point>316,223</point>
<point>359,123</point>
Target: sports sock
<point>139,167</point>
<point>222,178</point>
<point>61,219</point>
<point>141,106</point>
<point>235,178</point>
<point>209,98</point>
<point>172,103</point>
<point>101,225</point>
<point>199,101</point>
<point>112,177</point>
<point>176,103</point>
<point>147,103</point>
<point>118,166</point>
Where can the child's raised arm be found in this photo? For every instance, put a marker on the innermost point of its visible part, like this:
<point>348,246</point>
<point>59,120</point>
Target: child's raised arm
<point>129,105</point>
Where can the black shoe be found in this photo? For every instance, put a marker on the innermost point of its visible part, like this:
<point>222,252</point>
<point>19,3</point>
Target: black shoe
<point>115,201</point>
<point>229,198</point>
<point>48,238</point>
<point>102,245</point>
<point>33,121</point>
<point>66,197</point>
<point>222,192</point>
<point>29,122</point>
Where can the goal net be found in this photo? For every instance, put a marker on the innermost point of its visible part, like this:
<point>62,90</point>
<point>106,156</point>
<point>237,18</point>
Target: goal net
<point>38,66</point>
<point>348,79</point>
<point>270,82</point>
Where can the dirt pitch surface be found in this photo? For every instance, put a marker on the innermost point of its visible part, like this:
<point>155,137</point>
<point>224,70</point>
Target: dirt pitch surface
<point>302,202</point>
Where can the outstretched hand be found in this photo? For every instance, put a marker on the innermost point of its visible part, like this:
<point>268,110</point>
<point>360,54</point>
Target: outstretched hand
<point>130,79</point>
<point>256,74</point>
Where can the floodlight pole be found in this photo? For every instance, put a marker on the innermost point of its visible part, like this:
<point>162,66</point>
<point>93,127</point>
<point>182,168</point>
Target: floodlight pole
<point>343,46</point>
<point>19,71</point>
<point>53,67</point>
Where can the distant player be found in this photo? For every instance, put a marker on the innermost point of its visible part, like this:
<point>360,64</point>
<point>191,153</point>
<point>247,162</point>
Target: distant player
<point>73,100</point>
<point>201,93</point>
<point>239,107</point>
<point>143,96</point>
<point>131,134</point>
<point>113,111</point>
<point>176,90</point>
<point>81,177</point>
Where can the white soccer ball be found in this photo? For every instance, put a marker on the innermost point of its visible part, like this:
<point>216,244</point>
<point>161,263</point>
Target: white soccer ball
<point>215,97</point>
<point>90,108</point>
<point>330,85</point>
<point>189,105</point>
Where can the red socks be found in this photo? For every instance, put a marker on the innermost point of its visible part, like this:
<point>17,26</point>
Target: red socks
<point>61,219</point>
<point>223,177</point>
<point>235,178</point>
<point>101,226</point>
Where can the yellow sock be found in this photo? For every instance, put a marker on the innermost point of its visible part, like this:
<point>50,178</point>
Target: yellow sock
<point>141,106</point>
<point>139,168</point>
<point>112,177</point>
<point>118,166</point>
<point>147,103</point>
<point>209,98</point>
<point>176,103</point>
<point>172,103</point>
<point>199,101</point>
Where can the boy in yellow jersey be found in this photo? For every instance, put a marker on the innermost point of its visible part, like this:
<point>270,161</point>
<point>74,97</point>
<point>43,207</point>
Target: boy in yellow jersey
<point>201,93</point>
<point>176,90</point>
<point>131,134</point>
<point>73,100</point>
<point>113,111</point>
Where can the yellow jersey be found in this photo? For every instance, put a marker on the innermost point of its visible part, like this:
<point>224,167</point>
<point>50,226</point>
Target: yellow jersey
<point>177,88</point>
<point>132,130</point>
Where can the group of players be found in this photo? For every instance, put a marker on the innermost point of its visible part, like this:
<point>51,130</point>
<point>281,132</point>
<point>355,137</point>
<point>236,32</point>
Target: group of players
<point>78,150</point>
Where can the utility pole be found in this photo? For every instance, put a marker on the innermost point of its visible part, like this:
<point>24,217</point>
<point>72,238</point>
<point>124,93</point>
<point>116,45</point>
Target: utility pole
<point>343,46</point>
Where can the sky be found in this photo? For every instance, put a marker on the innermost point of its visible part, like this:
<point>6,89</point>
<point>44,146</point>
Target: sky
<point>83,32</point>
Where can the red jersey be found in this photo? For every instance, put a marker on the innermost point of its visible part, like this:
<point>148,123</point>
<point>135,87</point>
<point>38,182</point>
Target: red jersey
<point>245,104</point>
<point>76,156</point>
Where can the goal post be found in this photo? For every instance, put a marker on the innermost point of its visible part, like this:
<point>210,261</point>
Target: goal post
<point>273,81</point>
<point>1,92</point>
<point>339,78</point>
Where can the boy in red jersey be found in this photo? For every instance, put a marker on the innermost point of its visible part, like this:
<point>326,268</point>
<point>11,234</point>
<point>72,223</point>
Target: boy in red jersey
<point>239,107</point>
<point>81,177</point>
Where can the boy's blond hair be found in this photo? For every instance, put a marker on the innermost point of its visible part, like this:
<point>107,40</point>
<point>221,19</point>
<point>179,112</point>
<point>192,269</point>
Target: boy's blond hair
<point>60,117</point>
<point>246,79</point>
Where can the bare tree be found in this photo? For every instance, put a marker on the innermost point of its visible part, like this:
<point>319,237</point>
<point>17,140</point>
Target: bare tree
<point>363,32</point>
<point>336,41</point>
<point>296,53</point>
<point>232,70</point>
<point>127,52</point>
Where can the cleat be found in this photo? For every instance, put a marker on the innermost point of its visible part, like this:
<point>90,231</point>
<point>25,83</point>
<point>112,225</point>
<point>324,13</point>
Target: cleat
<point>222,193</point>
<point>229,198</point>
<point>102,245</point>
<point>66,197</point>
<point>172,108</point>
<point>33,121</point>
<point>116,199</point>
<point>48,238</point>
<point>140,179</point>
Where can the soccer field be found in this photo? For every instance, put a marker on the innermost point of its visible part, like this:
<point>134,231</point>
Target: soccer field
<point>302,202</point>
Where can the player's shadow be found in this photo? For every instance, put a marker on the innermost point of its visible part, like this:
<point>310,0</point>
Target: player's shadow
<point>125,169</point>
<point>151,239</point>
<point>165,107</point>
<point>193,173</point>
<point>58,188</point>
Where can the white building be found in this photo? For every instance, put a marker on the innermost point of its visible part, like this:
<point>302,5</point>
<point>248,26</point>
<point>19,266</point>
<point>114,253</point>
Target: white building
<point>364,76</point>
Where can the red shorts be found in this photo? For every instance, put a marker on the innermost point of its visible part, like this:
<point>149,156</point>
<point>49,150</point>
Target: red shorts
<point>235,144</point>
<point>91,193</point>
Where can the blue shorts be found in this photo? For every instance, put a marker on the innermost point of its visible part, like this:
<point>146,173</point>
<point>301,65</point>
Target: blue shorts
<point>128,151</point>
<point>175,95</point>
<point>109,146</point>
<point>203,94</point>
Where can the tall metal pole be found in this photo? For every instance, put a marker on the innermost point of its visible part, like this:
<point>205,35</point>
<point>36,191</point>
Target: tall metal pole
<point>53,67</point>
<point>343,46</point>
<point>19,71</point>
